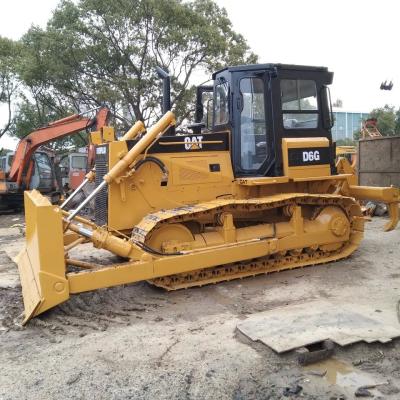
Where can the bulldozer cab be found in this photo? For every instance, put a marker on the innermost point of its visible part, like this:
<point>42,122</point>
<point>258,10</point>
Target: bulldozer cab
<point>262,104</point>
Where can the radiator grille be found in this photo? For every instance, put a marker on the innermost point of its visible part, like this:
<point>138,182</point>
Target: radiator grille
<point>101,200</point>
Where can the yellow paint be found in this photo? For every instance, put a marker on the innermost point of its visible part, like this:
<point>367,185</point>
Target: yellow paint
<point>137,128</point>
<point>108,133</point>
<point>308,170</point>
<point>343,150</point>
<point>96,137</point>
<point>41,263</point>
<point>184,231</point>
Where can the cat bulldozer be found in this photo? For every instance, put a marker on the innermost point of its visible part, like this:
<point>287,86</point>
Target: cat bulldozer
<point>250,188</point>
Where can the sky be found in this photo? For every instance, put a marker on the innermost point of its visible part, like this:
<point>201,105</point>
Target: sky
<point>357,40</point>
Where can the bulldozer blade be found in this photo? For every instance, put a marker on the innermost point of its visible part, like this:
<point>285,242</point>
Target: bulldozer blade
<point>41,263</point>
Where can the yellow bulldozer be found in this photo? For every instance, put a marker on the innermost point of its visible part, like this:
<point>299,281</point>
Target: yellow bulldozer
<point>251,188</point>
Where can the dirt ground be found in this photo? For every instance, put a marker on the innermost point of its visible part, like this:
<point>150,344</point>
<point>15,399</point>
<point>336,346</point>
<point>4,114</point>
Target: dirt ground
<point>140,342</point>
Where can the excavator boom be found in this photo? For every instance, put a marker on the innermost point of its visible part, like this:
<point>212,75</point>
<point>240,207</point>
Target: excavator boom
<point>55,130</point>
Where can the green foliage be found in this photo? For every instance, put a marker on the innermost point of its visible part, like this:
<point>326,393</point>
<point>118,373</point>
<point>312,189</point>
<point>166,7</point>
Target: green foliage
<point>10,53</point>
<point>4,151</point>
<point>357,135</point>
<point>100,51</point>
<point>397,126</point>
<point>30,116</point>
<point>388,122</point>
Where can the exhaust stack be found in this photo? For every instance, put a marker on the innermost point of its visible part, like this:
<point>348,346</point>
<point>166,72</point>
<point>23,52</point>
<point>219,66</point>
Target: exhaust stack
<point>166,98</point>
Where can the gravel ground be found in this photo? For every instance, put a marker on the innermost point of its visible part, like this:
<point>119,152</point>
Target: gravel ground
<point>140,342</point>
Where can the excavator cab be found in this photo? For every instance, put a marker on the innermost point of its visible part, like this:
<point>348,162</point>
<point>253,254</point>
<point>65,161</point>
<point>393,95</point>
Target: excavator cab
<point>262,104</point>
<point>43,177</point>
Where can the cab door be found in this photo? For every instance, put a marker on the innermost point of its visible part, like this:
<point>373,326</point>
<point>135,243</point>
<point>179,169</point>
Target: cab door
<point>252,132</point>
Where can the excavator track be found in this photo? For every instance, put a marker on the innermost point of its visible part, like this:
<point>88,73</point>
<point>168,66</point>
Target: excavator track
<point>294,258</point>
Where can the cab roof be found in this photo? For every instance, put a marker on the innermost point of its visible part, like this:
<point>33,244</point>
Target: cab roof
<point>255,67</point>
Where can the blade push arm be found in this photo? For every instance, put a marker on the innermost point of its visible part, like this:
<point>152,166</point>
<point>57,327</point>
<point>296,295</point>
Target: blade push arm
<point>388,195</point>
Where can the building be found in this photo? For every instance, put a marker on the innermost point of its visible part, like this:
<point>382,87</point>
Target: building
<point>346,123</point>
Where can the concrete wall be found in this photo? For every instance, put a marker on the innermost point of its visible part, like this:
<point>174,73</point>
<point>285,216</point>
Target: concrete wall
<point>379,161</point>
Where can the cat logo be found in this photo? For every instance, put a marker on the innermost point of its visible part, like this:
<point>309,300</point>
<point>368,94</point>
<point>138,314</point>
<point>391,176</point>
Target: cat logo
<point>193,142</point>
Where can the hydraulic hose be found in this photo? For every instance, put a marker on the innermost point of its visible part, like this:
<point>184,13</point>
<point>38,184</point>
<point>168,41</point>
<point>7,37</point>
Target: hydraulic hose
<point>156,161</point>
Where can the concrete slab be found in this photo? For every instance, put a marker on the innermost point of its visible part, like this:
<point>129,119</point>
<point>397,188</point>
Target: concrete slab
<point>290,327</point>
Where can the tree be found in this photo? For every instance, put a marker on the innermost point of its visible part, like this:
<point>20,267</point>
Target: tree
<point>30,116</point>
<point>4,151</point>
<point>386,119</point>
<point>397,127</point>
<point>96,51</point>
<point>357,135</point>
<point>9,58</point>
<point>338,103</point>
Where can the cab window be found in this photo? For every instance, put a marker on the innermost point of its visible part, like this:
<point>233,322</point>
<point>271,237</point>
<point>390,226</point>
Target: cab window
<point>253,128</point>
<point>221,104</point>
<point>79,162</point>
<point>299,104</point>
<point>43,162</point>
<point>207,102</point>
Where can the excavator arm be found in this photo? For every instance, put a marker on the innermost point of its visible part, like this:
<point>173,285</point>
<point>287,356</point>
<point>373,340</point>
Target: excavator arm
<point>55,130</point>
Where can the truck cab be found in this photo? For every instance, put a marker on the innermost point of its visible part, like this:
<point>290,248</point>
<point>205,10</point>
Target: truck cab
<point>73,169</point>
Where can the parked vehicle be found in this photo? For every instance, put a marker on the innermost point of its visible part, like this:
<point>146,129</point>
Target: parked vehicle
<point>32,168</point>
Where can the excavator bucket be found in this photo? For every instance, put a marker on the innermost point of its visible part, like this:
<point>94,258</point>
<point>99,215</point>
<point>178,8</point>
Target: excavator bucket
<point>41,263</point>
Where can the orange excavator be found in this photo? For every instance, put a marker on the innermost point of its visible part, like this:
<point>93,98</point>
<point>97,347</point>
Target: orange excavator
<point>33,168</point>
